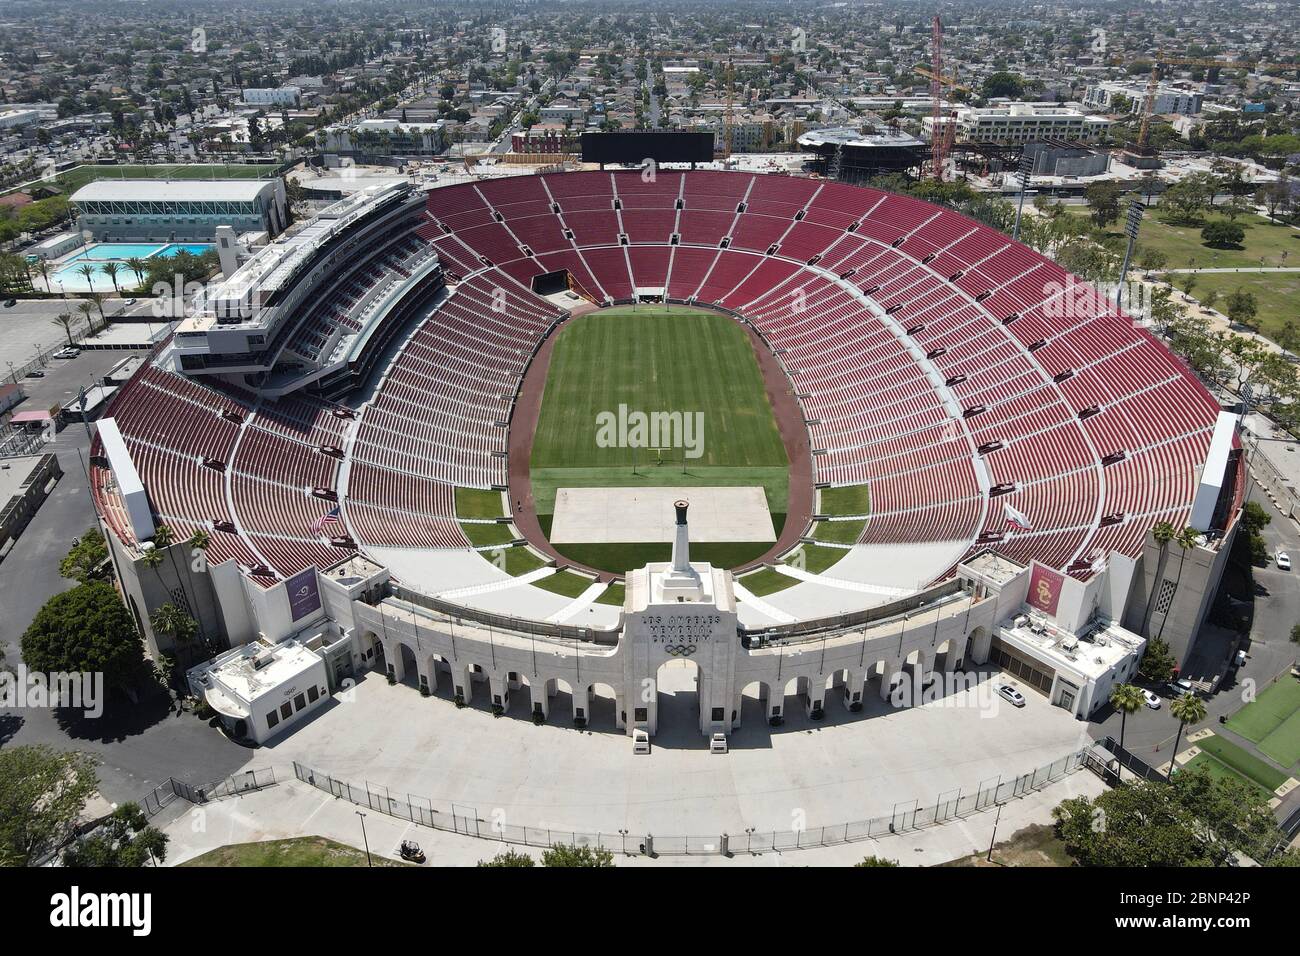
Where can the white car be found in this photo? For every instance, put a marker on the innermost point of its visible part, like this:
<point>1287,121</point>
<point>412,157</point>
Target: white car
<point>1009,693</point>
<point>1283,561</point>
<point>1152,700</point>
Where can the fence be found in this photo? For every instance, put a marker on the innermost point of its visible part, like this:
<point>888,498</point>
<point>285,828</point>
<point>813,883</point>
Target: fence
<point>172,789</point>
<point>465,820</point>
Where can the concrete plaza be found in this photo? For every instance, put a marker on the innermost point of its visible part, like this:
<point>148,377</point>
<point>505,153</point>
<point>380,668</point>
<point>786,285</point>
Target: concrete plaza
<point>805,774</point>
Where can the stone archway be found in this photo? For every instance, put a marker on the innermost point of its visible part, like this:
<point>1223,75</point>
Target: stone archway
<point>677,701</point>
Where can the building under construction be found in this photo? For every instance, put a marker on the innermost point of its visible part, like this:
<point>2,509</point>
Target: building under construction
<point>857,155</point>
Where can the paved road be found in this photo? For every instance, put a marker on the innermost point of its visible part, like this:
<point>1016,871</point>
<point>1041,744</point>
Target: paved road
<point>1242,269</point>
<point>139,745</point>
<point>1276,610</point>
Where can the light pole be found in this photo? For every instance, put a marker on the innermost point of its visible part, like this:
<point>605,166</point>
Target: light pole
<point>994,836</point>
<point>1134,222</point>
<point>1022,174</point>
<point>366,841</point>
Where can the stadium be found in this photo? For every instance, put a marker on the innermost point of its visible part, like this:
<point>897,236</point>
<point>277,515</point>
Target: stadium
<point>427,430</point>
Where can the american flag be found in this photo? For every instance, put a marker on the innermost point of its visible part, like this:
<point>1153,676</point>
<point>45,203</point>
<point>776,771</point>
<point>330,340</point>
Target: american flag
<point>1017,519</point>
<point>326,518</point>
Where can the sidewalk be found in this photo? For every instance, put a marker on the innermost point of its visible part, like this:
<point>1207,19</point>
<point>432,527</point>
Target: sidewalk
<point>293,808</point>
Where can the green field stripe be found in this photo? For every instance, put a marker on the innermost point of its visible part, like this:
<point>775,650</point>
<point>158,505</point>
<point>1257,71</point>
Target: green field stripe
<point>1273,707</point>
<point>482,535</point>
<point>1283,744</point>
<point>1243,762</point>
<point>766,581</point>
<point>564,583</point>
<point>847,500</point>
<point>612,595</point>
<point>478,503</point>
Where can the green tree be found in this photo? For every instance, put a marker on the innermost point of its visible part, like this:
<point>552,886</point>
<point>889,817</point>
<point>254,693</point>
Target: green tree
<point>1222,235</point>
<point>875,861</point>
<point>1240,307</point>
<point>85,557</point>
<point>1196,820</point>
<point>86,629</point>
<point>125,839</point>
<point>1126,699</point>
<point>1157,661</point>
<point>42,793</point>
<point>1189,709</point>
<point>509,858</point>
<point>1103,198</point>
<point>1003,84</point>
<point>564,855</point>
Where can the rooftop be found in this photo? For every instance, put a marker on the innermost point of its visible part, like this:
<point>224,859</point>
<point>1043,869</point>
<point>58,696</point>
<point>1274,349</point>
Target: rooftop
<point>172,190</point>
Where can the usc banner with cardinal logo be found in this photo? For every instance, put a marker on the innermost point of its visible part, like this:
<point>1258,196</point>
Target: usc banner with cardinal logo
<point>1044,589</point>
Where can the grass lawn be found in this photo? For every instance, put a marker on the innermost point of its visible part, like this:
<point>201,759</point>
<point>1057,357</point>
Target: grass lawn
<point>848,500</point>
<point>1268,711</point>
<point>299,851</point>
<point>612,595</point>
<point>816,560</point>
<point>1283,744</point>
<point>1183,246</point>
<point>478,503</point>
<point>1034,845</point>
<point>1275,293</point>
<point>1239,761</point>
<point>518,559</point>
<point>482,535</point>
<point>679,362</point>
<point>838,532</point>
<point>767,581</point>
<point>565,583</point>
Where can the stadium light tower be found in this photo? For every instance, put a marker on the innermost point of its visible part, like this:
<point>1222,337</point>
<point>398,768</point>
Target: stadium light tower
<point>1022,174</point>
<point>1131,226</point>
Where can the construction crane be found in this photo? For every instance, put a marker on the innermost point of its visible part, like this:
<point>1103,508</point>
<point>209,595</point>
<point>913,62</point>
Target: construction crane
<point>948,81</point>
<point>726,119</point>
<point>938,130</point>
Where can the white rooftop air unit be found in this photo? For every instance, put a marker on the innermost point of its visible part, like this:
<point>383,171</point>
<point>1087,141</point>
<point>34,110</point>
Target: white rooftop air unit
<point>262,659</point>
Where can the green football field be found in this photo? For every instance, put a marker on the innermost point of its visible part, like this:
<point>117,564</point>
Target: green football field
<point>656,360</point>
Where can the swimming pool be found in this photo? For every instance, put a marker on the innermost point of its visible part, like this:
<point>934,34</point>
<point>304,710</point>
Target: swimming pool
<point>103,251</point>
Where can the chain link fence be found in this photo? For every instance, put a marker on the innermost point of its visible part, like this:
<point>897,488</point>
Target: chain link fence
<point>466,821</point>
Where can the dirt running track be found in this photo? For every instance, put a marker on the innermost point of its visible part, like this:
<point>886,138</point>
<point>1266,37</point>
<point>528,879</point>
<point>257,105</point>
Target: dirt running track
<point>789,421</point>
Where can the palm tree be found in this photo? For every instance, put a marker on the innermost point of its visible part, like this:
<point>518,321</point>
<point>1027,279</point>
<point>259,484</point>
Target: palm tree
<point>1187,539</point>
<point>88,271</point>
<point>170,620</point>
<point>1163,532</point>
<point>98,299</point>
<point>137,265</point>
<point>111,270</point>
<point>88,310</point>
<point>64,319</point>
<point>1127,699</point>
<point>1189,709</point>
